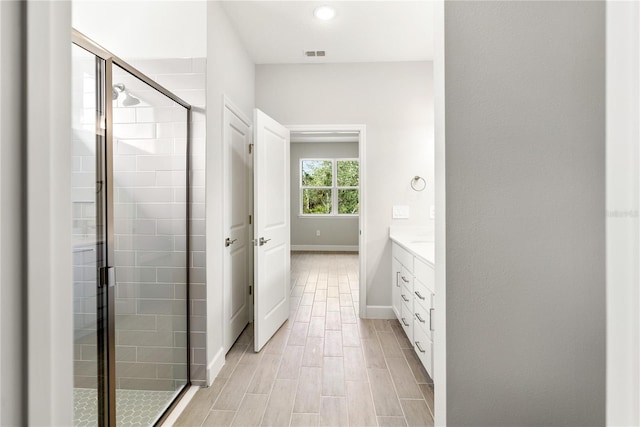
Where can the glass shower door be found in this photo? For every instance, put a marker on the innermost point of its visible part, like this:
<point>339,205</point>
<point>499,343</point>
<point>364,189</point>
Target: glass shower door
<point>88,235</point>
<point>130,242</point>
<point>150,243</point>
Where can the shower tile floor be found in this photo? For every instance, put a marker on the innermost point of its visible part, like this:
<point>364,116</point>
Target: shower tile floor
<point>135,407</point>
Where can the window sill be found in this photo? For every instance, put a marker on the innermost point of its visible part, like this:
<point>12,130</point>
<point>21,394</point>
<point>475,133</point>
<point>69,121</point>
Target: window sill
<point>344,216</point>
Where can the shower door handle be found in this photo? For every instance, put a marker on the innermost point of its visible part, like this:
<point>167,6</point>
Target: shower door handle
<point>107,277</point>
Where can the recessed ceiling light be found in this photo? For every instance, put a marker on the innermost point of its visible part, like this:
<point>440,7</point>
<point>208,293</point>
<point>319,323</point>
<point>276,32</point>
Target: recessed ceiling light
<point>325,13</point>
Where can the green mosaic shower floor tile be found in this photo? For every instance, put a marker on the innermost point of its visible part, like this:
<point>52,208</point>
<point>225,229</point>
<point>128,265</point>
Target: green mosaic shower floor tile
<point>136,408</point>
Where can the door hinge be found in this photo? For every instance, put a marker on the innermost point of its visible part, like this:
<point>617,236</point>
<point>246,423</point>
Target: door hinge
<point>250,290</point>
<point>250,219</point>
<point>250,148</point>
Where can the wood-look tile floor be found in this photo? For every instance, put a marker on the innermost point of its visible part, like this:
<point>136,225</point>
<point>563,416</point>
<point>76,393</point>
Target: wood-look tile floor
<point>324,367</point>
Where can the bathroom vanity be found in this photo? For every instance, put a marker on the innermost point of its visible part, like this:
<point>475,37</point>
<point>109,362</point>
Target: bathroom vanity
<point>413,289</point>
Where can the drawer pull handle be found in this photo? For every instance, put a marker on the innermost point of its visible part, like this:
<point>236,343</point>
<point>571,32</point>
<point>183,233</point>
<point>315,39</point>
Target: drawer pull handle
<point>431,319</point>
<point>404,279</point>
<point>422,350</point>
<point>404,321</point>
<point>397,279</point>
<point>405,298</point>
<point>420,318</point>
<point>419,295</point>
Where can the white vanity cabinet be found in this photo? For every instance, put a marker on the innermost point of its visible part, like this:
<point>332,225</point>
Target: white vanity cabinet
<point>396,287</point>
<point>423,298</point>
<point>413,301</point>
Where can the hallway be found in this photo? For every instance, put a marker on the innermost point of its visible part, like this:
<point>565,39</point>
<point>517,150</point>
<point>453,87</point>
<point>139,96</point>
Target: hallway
<point>325,366</point>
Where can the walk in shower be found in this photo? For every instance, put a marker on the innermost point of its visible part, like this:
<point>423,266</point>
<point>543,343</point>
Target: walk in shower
<point>130,273</point>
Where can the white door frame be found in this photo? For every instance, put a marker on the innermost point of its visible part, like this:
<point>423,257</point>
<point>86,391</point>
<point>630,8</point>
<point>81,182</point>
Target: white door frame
<point>362,243</point>
<point>440,313</point>
<point>622,256</point>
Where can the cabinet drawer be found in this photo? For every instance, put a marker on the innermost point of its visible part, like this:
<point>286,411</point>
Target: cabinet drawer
<point>423,318</point>
<point>406,299</point>
<point>424,272</point>
<point>406,320</point>
<point>424,349</point>
<point>406,279</point>
<point>422,295</point>
<point>405,257</point>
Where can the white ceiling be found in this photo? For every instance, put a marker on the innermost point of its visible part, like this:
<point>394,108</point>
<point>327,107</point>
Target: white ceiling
<point>278,32</point>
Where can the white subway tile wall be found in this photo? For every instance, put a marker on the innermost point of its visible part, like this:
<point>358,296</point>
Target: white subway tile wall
<point>150,310</point>
<point>192,71</point>
<point>150,227</point>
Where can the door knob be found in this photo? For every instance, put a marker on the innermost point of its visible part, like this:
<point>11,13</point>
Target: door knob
<point>263,241</point>
<point>229,242</point>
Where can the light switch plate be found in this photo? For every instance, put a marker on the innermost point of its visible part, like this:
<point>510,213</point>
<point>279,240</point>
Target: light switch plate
<point>400,212</point>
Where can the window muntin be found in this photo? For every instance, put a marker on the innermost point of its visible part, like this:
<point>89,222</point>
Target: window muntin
<point>329,187</point>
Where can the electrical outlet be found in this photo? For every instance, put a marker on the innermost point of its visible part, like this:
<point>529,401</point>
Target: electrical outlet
<point>317,233</point>
<point>432,212</point>
<point>400,212</point>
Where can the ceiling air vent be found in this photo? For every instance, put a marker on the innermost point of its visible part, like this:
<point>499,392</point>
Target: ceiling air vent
<point>314,53</point>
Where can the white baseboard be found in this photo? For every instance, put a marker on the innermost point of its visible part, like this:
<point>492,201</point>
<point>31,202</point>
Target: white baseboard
<point>380,312</point>
<point>326,248</point>
<point>214,367</point>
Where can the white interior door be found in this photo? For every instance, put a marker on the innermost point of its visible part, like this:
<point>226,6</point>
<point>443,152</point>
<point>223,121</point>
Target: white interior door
<point>237,224</point>
<point>272,227</point>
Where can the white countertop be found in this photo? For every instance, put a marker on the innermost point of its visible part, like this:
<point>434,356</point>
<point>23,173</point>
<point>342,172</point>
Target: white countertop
<point>416,240</point>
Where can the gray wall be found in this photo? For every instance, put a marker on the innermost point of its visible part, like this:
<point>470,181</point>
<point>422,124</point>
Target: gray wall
<point>13,337</point>
<point>334,231</point>
<point>525,255</point>
<point>395,101</point>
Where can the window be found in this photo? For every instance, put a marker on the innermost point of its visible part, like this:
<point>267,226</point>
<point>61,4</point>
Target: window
<point>329,187</point>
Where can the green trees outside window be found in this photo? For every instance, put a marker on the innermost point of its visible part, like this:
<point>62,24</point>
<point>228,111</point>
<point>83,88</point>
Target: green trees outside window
<point>329,186</point>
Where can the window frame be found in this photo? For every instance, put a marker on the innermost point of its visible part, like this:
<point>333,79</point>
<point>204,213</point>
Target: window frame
<point>334,187</point>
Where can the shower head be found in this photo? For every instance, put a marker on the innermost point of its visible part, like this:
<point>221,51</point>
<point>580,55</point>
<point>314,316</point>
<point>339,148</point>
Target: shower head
<point>129,100</point>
